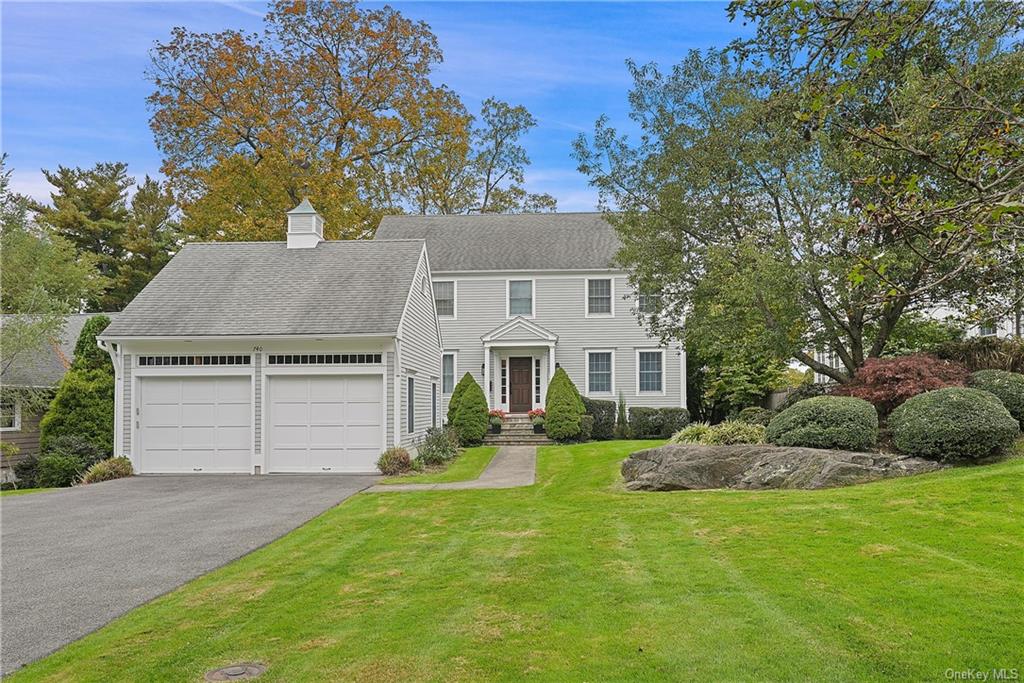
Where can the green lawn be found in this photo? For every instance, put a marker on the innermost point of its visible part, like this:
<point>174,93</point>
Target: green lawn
<point>468,465</point>
<point>22,492</point>
<point>577,579</point>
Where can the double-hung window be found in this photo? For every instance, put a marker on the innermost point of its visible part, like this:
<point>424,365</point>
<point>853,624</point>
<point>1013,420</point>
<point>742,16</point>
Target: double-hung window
<point>410,406</point>
<point>599,297</point>
<point>520,298</point>
<point>650,376</point>
<point>10,415</point>
<point>447,373</point>
<point>648,302</point>
<point>444,298</point>
<point>433,404</point>
<point>599,372</point>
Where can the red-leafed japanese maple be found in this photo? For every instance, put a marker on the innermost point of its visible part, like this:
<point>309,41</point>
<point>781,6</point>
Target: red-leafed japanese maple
<point>888,382</point>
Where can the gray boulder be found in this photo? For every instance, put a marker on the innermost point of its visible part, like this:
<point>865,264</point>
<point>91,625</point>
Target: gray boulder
<point>761,466</point>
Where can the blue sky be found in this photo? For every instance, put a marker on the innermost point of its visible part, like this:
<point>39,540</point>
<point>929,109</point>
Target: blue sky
<point>73,85</point>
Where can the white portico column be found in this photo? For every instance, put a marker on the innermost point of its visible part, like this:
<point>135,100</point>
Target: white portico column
<point>487,376</point>
<point>551,360</point>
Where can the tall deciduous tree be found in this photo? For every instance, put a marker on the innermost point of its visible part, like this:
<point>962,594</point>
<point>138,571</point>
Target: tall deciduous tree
<point>482,174</point>
<point>327,101</point>
<point>730,199</point>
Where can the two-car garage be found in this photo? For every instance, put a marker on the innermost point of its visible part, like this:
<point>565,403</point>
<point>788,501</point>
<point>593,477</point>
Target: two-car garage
<point>310,423</point>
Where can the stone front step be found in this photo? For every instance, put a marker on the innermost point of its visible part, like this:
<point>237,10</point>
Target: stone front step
<point>505,439</point>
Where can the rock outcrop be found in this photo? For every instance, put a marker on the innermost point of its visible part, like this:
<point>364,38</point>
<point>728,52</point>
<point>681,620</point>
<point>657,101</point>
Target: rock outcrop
<point>761,466</point>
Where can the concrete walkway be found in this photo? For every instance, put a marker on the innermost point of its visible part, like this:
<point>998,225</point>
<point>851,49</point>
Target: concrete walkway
<point>511,467</point>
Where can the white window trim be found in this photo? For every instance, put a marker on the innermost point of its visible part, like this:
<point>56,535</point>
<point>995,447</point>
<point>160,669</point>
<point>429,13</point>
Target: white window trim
<point>455,300</point>
<point>586,373</point>
<point>533,298</point>
<point>586,298</point>
<point>410,405</point>
<point>650,393</point>
<point>455,371</point>
<point>16,427</point>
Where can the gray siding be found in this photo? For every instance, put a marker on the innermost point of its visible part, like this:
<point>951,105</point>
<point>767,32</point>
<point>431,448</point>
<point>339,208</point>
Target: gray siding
<point>126,393</point>
<point>420,358</point>
<point>559,306</point>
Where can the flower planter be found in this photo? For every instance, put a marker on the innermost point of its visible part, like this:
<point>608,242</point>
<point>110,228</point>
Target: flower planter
<point>538,429</point>
<point>496,429</point>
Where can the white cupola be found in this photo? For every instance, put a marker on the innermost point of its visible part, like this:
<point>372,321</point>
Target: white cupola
<point>305,226</point>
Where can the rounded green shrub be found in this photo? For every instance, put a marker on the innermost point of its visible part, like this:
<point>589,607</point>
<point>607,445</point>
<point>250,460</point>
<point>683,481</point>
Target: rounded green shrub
<point>83,408</point>
<point>57,470</point>
<point>1008,387</point>
<point>394,460</point>
<point>453,400</point>
<point>470,419</point>
<point>72,444</point>
<point>563,408</point>
<point>953,424</point>
<point>105,470</point>
<point>672,420</point>
<point>841,422</point>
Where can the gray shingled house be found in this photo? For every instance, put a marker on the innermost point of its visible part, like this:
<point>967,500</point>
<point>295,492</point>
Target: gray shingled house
<point>314,356</point>
<point>42,369</point>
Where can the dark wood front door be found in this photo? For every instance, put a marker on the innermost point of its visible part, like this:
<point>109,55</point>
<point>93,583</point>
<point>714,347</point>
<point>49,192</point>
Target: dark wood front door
<point>520,384</point>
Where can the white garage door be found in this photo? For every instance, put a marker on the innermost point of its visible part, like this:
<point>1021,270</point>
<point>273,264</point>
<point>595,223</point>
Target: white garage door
<point>195,424</point>
<point>324,423</point>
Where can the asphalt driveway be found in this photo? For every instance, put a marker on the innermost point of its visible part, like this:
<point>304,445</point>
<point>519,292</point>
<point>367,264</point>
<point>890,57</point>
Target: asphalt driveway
<point>74,559</point>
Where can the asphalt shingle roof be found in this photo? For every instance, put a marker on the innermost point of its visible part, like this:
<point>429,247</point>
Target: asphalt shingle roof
<point>264,288</point>
<point>46,366</point>
<point>541,241</point>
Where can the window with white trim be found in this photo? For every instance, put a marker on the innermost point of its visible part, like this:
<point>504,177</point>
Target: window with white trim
<point>987,330</point>
<point>433,404</point>
<point>444,298</point>
<point>448,373</point>
<point>650,371</point>
<point>410,406</point>
<point>648,302</point>
<point>10,415</point>
<point>599,372</point>
<point>536,381</point>
<point>520,297</point>
<point>171,361</point>
<point>325,359</point>
<point>599,297</point>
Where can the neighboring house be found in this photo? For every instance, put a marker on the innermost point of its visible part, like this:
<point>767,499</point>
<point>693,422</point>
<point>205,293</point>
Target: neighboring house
<point>519,295</point>
<point>42,369</point>
<point>314,356</point>
<point>297,356</point>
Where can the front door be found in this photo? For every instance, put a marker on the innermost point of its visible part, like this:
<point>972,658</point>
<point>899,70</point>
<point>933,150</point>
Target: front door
<point>520,381</point>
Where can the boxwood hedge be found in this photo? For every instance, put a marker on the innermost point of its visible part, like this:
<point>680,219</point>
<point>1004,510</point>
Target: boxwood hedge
<point>826,422</point>
<point>953,424</point>
<point>1008,387</point>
